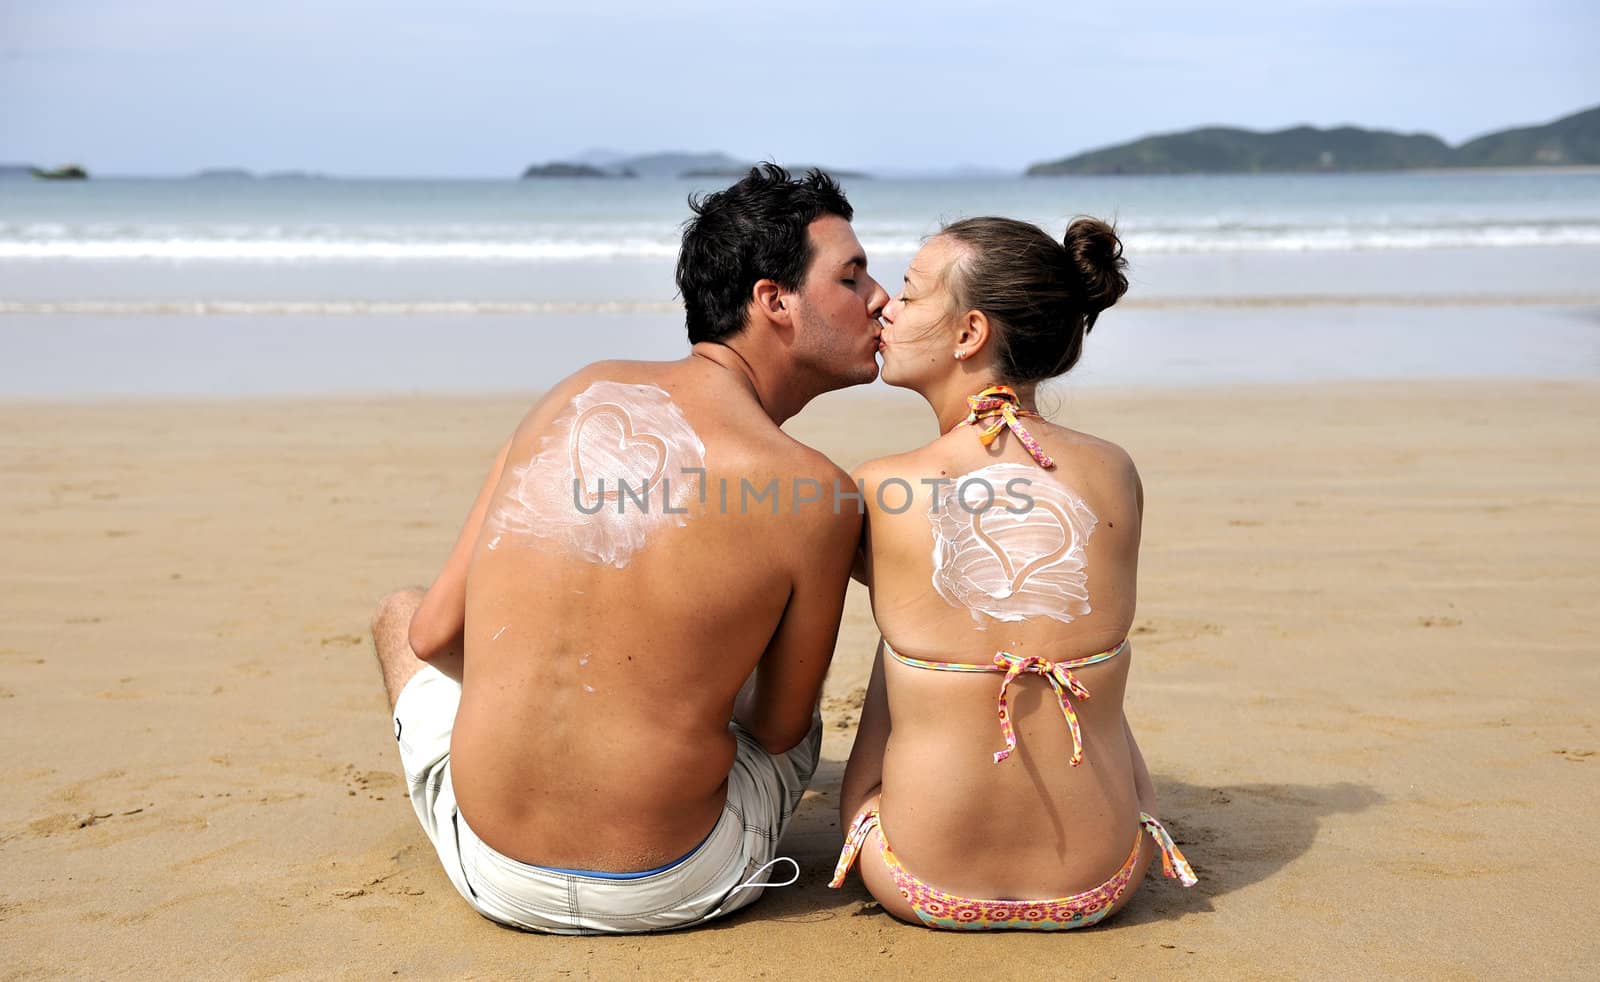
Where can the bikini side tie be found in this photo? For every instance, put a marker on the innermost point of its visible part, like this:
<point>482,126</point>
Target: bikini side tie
<point>1060,678</point>
<point>997,408</point>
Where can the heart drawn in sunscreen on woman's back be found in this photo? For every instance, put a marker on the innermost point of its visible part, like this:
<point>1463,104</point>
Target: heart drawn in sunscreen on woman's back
<point>1014,575</point>
<point>1023,559</point>
<point>624,451</point>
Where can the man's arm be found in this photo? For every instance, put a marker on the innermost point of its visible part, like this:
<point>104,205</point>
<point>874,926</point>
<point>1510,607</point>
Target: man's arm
<point>436,626</point>
<point>777,707</point>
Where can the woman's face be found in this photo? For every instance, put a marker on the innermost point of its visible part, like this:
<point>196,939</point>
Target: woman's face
<point>918,340</point>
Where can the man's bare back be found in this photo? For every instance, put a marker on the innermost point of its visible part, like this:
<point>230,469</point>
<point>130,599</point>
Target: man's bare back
<point>626,645</point>
<point>606,687</point>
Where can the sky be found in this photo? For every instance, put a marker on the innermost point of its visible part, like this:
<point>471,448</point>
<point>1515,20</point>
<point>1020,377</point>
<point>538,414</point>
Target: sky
<point>474,88</point>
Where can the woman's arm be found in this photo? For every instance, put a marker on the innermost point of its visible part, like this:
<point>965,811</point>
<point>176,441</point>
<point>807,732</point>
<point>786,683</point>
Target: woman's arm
<point>863,775</point>
<point>436,626</point>
<point>1142,784</point>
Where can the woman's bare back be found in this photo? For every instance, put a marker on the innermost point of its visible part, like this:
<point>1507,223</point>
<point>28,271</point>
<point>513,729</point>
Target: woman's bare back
<point>1047,571</point>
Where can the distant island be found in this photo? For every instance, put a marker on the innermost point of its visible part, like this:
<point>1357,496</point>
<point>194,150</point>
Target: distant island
<point>606,163</point>
<point>1571,140</point>
<point>560,168</point>
<point>68,172</point>
<point>224,174</point>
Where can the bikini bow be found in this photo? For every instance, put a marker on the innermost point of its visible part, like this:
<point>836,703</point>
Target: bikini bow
<point>1060,678</point>
<point>999,405</point>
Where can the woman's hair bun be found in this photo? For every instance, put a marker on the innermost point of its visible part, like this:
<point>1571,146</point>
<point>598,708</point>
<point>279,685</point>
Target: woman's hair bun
<point>1095,254</point>
<point>1041,295</point>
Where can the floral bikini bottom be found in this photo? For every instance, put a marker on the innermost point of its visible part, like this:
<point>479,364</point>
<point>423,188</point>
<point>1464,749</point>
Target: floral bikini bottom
<point>935,908</point>
<point>946,910</point>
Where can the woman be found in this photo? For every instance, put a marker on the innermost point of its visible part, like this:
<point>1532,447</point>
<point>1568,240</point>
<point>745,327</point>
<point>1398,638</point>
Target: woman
<point>1002,560</point>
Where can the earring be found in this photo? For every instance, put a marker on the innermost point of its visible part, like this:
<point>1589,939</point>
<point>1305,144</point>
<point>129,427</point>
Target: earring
<point>960,355</point>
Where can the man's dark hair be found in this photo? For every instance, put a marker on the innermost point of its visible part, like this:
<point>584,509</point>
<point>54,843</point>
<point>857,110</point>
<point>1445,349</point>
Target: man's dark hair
<point>754,230</point>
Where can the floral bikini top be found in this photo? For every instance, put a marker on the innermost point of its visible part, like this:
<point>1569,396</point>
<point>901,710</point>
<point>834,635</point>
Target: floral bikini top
<point>1057,673</point>
<point>997,408</point>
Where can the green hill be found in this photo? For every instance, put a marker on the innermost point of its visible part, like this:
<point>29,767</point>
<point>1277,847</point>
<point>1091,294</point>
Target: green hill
<point>1572,139</point>
<point>1222,150</point>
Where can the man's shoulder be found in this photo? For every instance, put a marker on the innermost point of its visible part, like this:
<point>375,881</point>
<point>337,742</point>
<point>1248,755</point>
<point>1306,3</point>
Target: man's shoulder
<point>617,370</point>
<point>799,470</point>
<point>810,462</point>
<point>564,391</point>
<point>753,442</point>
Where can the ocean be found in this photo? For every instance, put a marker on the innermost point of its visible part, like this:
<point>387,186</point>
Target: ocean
<point>150,288</point>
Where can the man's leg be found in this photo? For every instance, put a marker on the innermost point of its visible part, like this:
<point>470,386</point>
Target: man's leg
<point>423,704</point>
<point>391,637</point>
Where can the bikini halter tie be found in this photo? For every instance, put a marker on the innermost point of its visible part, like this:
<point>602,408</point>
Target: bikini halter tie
<point>1060,678</point>
<point>997,408</point>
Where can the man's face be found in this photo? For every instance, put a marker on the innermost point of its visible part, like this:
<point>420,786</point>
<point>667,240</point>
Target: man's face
<point>837,307</point>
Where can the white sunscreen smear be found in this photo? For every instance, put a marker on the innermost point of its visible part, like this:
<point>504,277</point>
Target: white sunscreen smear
<point>1016,558</point>
<point>611,471</point>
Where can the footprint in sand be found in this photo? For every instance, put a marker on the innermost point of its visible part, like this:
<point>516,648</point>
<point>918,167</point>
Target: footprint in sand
<point>370,782</point>
<point>71,821</point>
<point>846,708</point>
<point>1162,631</point>
<point>120,695</point>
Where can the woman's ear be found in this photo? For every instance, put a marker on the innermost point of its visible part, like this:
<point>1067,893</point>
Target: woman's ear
<point>973,333</point>
<point>767,295</point>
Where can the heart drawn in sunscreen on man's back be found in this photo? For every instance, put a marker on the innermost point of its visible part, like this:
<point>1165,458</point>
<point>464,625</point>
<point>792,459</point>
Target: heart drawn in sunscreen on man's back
<point>622,451</point>
<point>1007,521</point>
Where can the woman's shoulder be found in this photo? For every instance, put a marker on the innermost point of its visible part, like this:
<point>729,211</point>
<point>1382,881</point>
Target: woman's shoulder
<point>1082,458</point>
<point>907,465</point>
<point>899,484</point>
<point>1102,469</point>
<point>1090,453</point>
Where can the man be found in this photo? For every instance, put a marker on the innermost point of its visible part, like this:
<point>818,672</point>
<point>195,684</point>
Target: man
<point>606,702</point>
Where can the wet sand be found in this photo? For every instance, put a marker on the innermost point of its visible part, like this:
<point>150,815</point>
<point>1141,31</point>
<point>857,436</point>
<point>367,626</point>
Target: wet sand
<point>1365,677</point>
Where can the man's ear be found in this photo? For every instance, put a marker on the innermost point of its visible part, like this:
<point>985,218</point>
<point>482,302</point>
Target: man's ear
<point>768,298</point>
<point>974,333</point>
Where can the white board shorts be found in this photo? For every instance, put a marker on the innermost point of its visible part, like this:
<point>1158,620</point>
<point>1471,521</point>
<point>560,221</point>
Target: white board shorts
<point>723,874</point>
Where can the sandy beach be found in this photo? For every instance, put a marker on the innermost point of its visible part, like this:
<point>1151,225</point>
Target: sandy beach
<point>1365,677</point>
